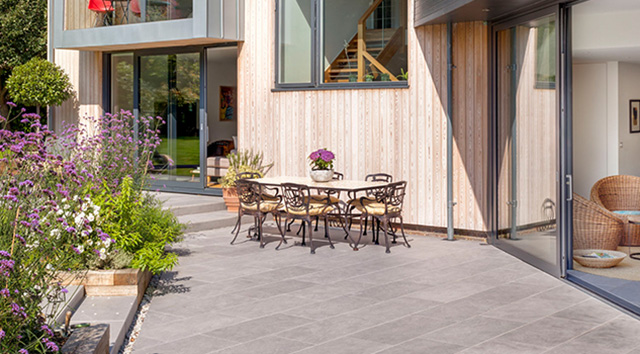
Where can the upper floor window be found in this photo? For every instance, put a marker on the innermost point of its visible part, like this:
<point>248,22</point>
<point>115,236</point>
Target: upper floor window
<point>341,42</point>
<point>100,13</point>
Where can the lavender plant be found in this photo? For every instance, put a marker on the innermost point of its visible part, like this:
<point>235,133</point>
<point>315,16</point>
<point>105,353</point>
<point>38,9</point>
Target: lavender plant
<point>60,196</point>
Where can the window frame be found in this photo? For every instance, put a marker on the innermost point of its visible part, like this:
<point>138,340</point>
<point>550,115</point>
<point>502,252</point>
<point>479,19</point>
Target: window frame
<point>317,74</point>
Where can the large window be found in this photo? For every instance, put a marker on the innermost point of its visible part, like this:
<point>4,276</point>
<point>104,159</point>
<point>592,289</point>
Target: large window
<point>341,42</point>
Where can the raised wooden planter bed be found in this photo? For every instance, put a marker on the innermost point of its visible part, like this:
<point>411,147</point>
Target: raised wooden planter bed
<point>120,282</point>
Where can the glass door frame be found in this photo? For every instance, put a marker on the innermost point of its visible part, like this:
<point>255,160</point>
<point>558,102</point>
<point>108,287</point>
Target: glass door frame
<point>169,186</point>
<point>563,227</point>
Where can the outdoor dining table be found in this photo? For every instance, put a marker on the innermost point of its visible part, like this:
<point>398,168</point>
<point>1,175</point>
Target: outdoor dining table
<point>350,187</point>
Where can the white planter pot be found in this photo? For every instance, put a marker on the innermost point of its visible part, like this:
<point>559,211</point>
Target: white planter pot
<point>321,175</point>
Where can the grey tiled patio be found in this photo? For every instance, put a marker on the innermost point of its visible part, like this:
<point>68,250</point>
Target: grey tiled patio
<point>436,297</point>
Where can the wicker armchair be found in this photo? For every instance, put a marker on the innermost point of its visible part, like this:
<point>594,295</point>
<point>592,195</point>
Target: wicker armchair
<point>616,193</point>
<point>595,227</point>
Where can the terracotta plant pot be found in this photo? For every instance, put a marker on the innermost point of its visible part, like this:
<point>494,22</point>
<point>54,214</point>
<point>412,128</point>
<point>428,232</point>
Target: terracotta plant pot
<point>230,196</point>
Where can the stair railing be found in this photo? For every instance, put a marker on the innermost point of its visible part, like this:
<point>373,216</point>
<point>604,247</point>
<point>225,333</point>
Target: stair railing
<point>362,46</point>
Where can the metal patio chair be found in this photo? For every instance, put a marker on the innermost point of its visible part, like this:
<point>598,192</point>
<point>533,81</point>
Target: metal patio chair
<point>334,198</point>
<point>252,203</point>
<point>371,195</point>
<point>384,208</point>
<point>298,205</point>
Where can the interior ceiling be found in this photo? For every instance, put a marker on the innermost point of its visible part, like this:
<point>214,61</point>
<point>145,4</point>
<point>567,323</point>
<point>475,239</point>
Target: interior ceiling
<point>585,14</point>
<point>443,11</point>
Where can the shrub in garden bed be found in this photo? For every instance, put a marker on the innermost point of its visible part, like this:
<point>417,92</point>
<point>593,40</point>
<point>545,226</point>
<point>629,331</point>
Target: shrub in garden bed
<point>73,201</point>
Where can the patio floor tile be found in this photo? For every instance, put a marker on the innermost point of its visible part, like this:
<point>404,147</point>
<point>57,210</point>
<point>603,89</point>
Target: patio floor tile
<point>436,297</point>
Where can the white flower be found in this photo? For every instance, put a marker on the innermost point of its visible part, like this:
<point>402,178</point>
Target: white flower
<point>55,232</point>
<point>103,254</point>
<point>106,242</point>
<point>90,242</point>
<point>91,217</point>
<point>80,249</point>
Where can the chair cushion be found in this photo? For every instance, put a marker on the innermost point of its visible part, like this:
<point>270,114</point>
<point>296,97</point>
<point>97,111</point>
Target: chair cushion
<point>323,198</point>
<point>315,209</point>
<point>265,206</point>
<point>627,212</point>
<point>373,207</point>
<point>217,162</point>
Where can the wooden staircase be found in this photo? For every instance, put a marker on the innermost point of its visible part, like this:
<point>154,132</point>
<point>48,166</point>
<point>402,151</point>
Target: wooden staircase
<point>368,52</point>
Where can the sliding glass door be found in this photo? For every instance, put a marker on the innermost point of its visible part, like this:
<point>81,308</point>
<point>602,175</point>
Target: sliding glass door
<point>169,87</point>
<point>528,140</point>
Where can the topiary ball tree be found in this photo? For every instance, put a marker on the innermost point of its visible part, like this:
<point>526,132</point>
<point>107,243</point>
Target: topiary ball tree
<point>38,83</point>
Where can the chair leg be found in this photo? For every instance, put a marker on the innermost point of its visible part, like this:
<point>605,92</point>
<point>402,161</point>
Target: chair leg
<point>326,232</point>
<point>278,220</point>
<point>237,223</point>
<point>238,227</point>
<point>403,235</point>
<point>365,226</point>
<point>375,230</point>
<point>260,236</point>
<point>304,232</point>
<point>386,236</point>
<point>289,226</point>
<point>313,250</point>
<point>300,229</point>
<point>355,247</point>
<point>282,233</point>
<point>317,220</point>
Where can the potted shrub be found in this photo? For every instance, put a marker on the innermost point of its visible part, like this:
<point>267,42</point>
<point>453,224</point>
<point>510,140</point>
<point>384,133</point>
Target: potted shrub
<point>239,162</point>
<point>368,77</point>
<point>384,77</point>
<point>321,165</point>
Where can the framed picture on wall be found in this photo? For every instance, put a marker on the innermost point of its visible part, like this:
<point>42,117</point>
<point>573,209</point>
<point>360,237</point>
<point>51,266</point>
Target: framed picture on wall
<point>227,103</point>
<point>634,116</point>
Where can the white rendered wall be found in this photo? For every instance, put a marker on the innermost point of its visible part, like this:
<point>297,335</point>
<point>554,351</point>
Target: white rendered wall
<point>222,70</point>
<point>629,88</point>
<point>595,124</point>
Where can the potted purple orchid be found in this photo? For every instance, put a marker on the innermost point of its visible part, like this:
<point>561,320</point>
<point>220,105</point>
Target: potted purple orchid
<point>321,165</point>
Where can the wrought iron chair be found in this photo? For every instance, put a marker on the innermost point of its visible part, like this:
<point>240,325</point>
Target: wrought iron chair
<point>298,205</point>
<point>371,194</point>
<point>265,196</point>
<point>334,198</point>
<point>252,203</point>
<point>384,208</point>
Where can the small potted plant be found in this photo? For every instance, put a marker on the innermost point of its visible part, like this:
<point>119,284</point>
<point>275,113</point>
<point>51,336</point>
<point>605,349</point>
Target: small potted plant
<point>321,165</point>
<point>404,75</point>
<point>369,77</point>
<point>241,161</point>
<point>384,77</point>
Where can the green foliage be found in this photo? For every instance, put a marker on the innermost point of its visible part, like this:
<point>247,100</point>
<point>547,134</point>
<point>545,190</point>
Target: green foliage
<point>140,227</point>
<point>404,75</point>
<point>244,161</point>
<point>23,25</point>
<point>39,83</point>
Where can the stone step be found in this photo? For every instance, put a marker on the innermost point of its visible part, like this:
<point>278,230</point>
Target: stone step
<point>210,220</point>
<point>184,204</point>
<point>116,311</point>
<point>71,299</point>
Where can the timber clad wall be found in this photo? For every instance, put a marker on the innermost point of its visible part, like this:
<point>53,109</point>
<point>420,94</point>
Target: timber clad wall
<point>397,131</point>
<point>85,71</point>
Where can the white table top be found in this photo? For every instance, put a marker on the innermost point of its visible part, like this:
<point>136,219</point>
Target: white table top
<point>344,185</point>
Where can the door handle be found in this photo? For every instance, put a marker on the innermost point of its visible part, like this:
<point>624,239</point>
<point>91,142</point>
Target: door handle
<point>569,181</point>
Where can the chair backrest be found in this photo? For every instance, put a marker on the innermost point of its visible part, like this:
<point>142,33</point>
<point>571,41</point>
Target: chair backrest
<point>337,176</point>
<point>395,193</point>
<point>617,193</point>
<point>134,6</point>
<point>249,192</point>
<point>379,177</point>
<point>100,5</point>
<point>378,193</point>
<point>296,196</point>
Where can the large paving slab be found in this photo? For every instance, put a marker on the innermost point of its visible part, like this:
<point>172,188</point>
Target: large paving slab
<point>435,297</point>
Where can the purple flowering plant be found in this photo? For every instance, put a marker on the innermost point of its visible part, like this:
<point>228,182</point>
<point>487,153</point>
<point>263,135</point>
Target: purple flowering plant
<point>321,159</point>
<point>58,193</point>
